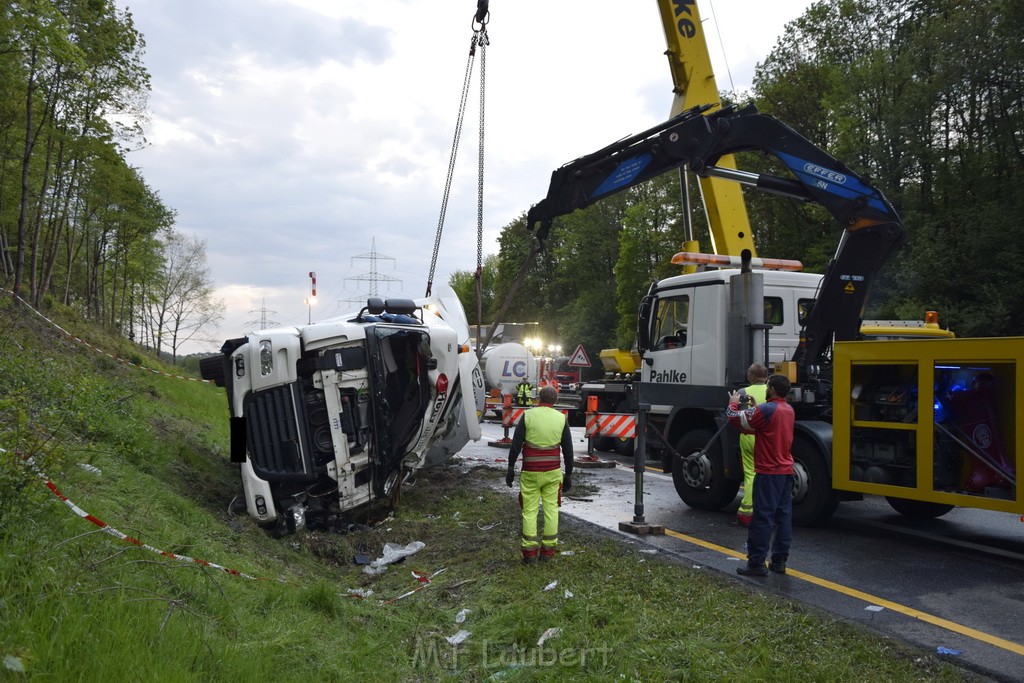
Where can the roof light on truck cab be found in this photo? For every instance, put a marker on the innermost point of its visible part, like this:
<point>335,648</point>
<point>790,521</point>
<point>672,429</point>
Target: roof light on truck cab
<point>442,384</point>
<point>690,258</point>
<point>931,318</point>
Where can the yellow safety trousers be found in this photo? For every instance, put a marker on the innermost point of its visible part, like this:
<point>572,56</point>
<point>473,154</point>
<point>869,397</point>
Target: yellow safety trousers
<point>759,392</point>
<point>535,487</point>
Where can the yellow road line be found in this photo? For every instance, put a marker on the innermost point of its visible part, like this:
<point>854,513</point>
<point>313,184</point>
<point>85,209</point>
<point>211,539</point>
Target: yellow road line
<point>1002,643</point>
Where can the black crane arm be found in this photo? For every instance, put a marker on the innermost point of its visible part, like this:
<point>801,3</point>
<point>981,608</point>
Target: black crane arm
<point>872,229</point>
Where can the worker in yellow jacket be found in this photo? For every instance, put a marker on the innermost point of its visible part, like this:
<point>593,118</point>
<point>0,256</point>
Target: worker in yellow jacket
<point>544,439</point>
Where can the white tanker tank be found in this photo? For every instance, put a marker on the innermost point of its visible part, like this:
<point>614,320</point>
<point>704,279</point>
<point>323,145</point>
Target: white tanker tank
<point>506,365</point>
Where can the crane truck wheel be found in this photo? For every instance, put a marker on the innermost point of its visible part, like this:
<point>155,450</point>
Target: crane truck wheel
<point>604,443</point>
<point>814,500</point>
<point>698,475</point>
<point>918,509</point>
<point>624,447</point>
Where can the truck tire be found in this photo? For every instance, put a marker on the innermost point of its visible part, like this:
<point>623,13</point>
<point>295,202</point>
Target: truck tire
<point>624,447</point>
<point>604,443</point>
<point>918,509</point>
<point>699,478</point>
<point>814,500</point>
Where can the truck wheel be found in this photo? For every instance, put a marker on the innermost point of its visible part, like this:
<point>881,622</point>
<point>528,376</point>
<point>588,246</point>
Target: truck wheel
<point>624,447</point>
<point>699,477</point>
<point>814,501</point>
<point>604,443</point>
<point>918,509</point>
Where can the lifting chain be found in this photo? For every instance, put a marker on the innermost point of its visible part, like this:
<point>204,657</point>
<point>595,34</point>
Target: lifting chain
<point>481,40</point>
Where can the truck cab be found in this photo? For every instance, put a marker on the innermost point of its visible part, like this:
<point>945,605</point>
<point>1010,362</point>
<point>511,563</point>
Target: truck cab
<point>329,419</point>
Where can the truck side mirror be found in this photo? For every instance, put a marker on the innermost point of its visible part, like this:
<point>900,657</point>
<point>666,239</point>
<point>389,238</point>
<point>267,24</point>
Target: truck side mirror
<point>643,322</point>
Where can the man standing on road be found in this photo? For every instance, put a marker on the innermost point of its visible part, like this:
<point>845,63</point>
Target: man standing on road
<point>523,392</point>
<point>757,375</point>
<point>772,423</point>
<point>542,436</point>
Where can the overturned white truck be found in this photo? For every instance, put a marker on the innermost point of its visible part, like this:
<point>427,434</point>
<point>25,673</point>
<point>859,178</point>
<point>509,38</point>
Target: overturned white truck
<point>328,419</point>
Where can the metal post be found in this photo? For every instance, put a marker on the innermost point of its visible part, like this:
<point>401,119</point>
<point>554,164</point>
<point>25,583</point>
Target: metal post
<point>639,525</point>
<point>640,463</point>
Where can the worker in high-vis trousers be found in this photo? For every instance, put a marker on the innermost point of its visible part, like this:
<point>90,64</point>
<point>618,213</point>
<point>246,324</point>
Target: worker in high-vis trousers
<point>757,375</point>
<point>543,438</point>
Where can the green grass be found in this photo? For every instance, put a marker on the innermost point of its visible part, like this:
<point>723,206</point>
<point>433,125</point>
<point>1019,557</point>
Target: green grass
<point>77,604</point>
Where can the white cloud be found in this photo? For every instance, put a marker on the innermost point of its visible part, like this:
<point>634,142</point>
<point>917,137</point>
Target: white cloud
<point>293,135</point>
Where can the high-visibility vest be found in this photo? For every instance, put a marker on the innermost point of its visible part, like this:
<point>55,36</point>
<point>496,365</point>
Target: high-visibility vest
<point>544,426</point>
<point>524,393</point>
<point>760,394</point>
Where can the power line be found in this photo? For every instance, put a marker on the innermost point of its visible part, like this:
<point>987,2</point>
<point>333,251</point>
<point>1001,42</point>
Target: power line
<point>264,321</point>
<point>373,276</point>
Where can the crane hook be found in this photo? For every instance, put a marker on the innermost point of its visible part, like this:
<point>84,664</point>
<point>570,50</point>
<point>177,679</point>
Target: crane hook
<point>482,12</point>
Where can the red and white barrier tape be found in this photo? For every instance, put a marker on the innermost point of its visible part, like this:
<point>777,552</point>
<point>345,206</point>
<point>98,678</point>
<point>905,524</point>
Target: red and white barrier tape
<point>117,534</point>
<point>105,353</point>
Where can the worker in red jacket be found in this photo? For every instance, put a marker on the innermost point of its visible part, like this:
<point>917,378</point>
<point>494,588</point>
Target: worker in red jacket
<point>772,423</point>
<point>545,441</point>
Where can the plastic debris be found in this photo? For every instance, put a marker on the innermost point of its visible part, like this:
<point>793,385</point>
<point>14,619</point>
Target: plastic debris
<point>874,608</point>
<point>458,637</point>
<point>947,651</point>
<point>359,592</point>
<point>461,616</point>
<point>551,586</point>
<point>549,633</point>
<point>567,553</point>
<point>14,664</point>
<point>393,552</point>
<point>498,675</point>
<point>568,593</point>
<point>649,551</point>
<point>90,468</point>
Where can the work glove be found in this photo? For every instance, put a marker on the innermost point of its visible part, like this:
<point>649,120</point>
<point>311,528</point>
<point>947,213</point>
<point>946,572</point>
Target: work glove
<point>509,476</point>
<point>566,484</point>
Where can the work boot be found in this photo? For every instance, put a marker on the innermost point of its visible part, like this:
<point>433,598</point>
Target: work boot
<point>546,554</point>
<point>530,555</point>
<point>752,570</point>
<point>778,565</point>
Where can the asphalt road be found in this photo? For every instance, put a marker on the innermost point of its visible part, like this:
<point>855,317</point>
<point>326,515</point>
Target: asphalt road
<point>952,585</point>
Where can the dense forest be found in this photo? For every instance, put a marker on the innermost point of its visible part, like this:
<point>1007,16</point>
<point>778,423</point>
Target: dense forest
<point>79,226</point>
<point>923,97</point>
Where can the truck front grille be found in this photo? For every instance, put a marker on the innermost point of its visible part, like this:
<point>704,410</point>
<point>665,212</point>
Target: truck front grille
<point>278,443</point>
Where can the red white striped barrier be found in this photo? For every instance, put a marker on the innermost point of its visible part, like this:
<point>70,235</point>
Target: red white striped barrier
<point>511,416</point>
<point>125,537</point>
<point>619,425</point>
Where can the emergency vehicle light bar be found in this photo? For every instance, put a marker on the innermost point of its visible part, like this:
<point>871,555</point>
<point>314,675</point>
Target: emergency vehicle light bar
<point>690,258</point>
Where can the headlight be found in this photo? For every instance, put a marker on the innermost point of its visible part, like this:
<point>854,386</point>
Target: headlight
<point>266,358</point>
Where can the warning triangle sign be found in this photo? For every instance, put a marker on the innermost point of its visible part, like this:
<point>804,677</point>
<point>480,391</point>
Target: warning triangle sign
<point>579,358</point>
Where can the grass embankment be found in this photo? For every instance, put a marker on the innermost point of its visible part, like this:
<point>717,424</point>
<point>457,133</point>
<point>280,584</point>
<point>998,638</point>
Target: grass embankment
<point>78,604</point>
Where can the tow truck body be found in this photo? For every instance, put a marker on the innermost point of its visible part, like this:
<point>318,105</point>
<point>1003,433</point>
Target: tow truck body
<point>697,334</point>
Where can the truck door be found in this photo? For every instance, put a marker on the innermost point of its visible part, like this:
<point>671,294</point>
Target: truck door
<point>670,340</point>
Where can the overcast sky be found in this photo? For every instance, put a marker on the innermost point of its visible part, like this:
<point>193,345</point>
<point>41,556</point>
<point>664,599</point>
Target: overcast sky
<point>311,135</point>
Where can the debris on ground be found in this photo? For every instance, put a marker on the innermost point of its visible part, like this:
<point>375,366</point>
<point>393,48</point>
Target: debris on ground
<point>393,552</point>
<point>549,633</point>
<point>458,637</point>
